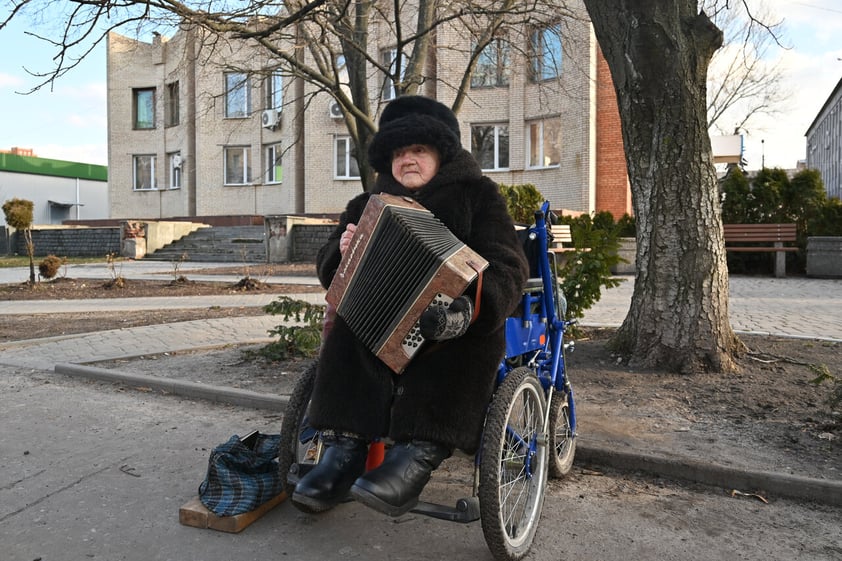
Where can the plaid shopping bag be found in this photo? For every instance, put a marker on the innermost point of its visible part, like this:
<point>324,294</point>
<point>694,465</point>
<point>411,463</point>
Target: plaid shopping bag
<point>242,475</point>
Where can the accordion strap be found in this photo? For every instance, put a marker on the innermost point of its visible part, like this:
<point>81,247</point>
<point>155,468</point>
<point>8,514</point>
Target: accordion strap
<point>478,296</point>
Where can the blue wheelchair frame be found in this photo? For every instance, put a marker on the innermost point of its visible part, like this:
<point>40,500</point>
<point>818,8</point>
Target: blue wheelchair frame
<point>536,337</point>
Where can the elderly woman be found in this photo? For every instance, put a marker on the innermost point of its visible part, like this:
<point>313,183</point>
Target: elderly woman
<point>438,403</point>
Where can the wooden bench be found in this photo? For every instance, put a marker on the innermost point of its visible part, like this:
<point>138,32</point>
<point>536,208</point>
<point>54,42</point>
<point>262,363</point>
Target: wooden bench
<point>561,236</point>
<point>775,234</point>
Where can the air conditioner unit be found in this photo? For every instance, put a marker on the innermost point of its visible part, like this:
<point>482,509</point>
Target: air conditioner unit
<point>335,111</point>
<point>176,160</point>
<point>270,118</point>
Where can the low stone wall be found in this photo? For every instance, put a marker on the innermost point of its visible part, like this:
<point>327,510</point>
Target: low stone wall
<point>627,251</point>
<point>295,238</point>
<point>5,240</point>
<point>824,257</point>
<point>289,239</point>
<point>306,241</point>
<point>70,242</point>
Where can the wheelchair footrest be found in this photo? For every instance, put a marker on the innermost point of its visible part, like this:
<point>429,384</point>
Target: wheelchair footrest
<point>466,510</point>
<point>297,471</point>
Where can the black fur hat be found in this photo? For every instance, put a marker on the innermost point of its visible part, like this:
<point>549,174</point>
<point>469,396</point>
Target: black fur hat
<point>414,119</point>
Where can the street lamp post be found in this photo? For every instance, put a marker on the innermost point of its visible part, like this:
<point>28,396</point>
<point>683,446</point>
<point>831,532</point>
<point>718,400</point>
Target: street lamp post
<point>763,153</point>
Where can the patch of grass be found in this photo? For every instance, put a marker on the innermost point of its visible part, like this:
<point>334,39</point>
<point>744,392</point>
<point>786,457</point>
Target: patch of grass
<point>23,260</point>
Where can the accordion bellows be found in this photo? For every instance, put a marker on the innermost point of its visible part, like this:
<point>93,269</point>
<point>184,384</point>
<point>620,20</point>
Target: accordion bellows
<point>401,260</point>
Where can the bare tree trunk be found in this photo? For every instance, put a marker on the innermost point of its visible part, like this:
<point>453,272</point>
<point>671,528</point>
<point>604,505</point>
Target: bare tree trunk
<point>30,250</point>
<point>658,52</point>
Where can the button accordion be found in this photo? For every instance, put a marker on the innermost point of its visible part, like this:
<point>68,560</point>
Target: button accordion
<point>401,260</point>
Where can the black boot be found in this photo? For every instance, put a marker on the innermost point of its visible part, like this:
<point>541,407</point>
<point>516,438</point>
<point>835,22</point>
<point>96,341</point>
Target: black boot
<point>394,487</point>
<point>327,484</point>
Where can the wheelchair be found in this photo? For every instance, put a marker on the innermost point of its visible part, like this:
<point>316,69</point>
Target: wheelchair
<point>530,424</point>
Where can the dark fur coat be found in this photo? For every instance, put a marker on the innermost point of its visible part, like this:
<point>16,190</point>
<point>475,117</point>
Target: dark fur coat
<point>442,394</point>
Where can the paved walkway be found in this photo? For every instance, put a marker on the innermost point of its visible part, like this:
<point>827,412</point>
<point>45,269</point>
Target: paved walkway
<point>794,307</point>
<point>797,307</point>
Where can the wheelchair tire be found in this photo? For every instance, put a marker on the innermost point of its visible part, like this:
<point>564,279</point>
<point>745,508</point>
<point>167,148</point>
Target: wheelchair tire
<point>299,443</point>
<point>562,442</point>
<point>513,465</point>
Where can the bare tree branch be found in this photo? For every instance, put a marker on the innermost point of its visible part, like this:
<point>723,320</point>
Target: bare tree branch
<point>742,83</point>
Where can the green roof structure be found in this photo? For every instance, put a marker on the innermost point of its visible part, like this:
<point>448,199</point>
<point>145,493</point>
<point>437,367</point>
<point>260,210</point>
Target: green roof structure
<point>58,168</point>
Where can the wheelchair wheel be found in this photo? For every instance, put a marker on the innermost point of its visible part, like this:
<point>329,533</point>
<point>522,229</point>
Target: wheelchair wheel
<point>299,442</point>
<point>562,444</point>
<point>513,465</point>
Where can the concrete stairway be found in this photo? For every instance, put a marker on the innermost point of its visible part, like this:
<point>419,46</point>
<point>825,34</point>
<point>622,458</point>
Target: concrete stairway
<point>225,244</point>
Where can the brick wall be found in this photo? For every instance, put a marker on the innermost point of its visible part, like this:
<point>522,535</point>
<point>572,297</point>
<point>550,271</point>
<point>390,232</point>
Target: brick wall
<point>98,242</point>
<point>613,193</point>
<point>76,242</point>
<point>5,240</point>
<point>203,131</point>
<point>306,241</point>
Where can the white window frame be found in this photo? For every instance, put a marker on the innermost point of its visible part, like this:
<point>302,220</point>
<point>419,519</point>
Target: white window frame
<point>274,164</point>
<point>245,165</point>
<point>537,156</point>
<point>175,170</point>
<point>274,91</point>
<point>546,52</point>
<point>500,153</point>
<point>137,161</point>
<point>237,95</point>
<point>343,147</point>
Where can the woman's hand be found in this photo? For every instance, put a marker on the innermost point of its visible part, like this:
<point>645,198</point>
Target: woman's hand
<point>345,239</point>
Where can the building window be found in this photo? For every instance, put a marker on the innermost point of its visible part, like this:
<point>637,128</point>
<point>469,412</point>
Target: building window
<point>545,45</point>
<point>237,165</point>
<point>143,172</point>
<point>389,60</point>
<point>274,169</point>
<point>237,95</point>
<point>490,146</point>
<point>492,66</point>
<point>544,138</point>
<point>174,171</point>
<point>143,106</point>
<point>273,88</point>
<point>346,166</point>
<point>171,112</point>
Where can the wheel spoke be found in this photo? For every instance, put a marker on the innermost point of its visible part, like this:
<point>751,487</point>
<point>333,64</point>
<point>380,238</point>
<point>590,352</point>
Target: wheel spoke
<point>513,466</point>
<point>515,490</point>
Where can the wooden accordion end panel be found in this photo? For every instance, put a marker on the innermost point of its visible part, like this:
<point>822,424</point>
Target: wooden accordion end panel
<point>401,260</point>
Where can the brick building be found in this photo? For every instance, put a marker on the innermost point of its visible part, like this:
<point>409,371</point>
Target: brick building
<point>191,133</point>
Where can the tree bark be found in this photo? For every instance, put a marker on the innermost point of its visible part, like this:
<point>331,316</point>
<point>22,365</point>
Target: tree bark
<point>658,52</point>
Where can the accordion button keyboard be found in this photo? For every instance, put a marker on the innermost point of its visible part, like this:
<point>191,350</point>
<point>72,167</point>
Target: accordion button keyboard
<point>413,340</point>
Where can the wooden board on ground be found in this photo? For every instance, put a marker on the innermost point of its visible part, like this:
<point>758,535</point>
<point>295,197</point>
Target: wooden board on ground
<point>197,515</point>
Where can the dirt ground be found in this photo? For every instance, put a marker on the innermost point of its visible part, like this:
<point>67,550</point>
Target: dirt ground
<point>774,403</point>
<point>16,327</point>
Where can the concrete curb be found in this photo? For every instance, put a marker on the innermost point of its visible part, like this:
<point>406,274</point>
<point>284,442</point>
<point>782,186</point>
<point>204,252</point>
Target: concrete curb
<point>183,388</point>
<point>823,491</point>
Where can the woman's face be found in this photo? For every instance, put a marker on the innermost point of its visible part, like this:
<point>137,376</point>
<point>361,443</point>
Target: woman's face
<point>415,165</point>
